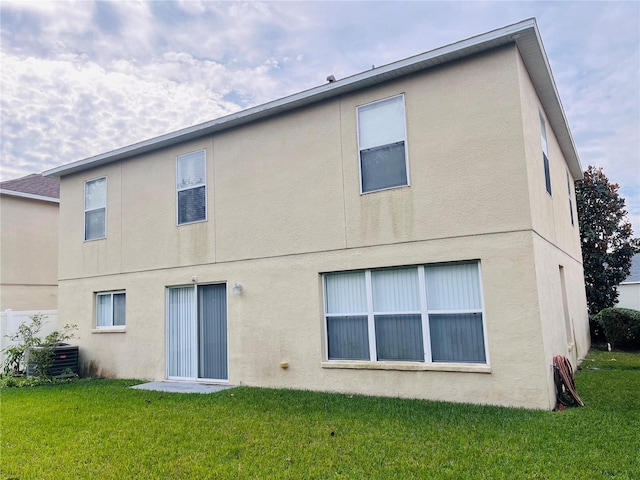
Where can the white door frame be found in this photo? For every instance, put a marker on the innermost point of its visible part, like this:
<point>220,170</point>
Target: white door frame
<point>194,341</point>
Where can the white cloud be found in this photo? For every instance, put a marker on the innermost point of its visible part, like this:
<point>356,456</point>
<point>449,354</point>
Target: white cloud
<point>77,112</point>
<point>80,78</point>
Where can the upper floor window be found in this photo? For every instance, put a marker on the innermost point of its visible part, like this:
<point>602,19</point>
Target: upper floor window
<point>570,198</point>
<point>545,153</point>
<point>95,209</point>
<point>192,187</point>
<point>110,309</point>
<point>382,145</point>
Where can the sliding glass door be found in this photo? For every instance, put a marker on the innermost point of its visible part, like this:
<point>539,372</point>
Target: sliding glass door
<point>197,332</point>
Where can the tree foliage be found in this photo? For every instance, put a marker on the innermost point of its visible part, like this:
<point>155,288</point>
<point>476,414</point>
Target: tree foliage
<point>621,327</point>
<point>607,238</point>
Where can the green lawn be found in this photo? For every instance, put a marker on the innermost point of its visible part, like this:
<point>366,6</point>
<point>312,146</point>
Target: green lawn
<point>102,429</point>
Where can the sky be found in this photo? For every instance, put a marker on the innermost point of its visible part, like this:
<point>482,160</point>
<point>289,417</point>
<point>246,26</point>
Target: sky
<point>82,78</point>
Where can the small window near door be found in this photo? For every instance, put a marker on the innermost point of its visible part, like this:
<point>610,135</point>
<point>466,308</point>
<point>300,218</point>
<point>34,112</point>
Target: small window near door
<point>110,309</point>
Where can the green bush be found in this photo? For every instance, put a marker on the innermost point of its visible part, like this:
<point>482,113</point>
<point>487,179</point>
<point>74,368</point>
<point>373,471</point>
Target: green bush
<point>621,327</point>
<point>31,349</point>
<point>9,381</point>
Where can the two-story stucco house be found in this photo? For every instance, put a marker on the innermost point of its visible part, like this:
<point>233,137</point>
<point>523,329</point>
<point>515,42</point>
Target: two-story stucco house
<point>407,231</point>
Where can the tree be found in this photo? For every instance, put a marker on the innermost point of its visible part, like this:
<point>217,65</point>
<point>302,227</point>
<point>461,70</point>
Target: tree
<point>607,238</point>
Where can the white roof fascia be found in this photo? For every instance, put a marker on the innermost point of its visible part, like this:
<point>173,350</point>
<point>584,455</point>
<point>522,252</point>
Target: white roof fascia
<point>29,195</point>
<point>524,34</point>
<point>537,63</point>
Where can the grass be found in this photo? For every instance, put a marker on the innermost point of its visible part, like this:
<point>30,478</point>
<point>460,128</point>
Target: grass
<point>101,429</point>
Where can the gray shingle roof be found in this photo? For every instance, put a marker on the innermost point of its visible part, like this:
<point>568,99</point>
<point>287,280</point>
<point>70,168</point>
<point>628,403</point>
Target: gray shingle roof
<point>34,184</point>
<point>634,275</point>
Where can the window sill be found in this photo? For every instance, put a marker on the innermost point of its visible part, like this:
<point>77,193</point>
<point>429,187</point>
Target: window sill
<point>109,330</point>
<point>191,223</point>
<point>94,239</point>
<point>410,366</point>
<point>386,189</point>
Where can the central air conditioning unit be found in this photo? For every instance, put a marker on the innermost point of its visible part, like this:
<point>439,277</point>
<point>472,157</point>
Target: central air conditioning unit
<point>65,362</point>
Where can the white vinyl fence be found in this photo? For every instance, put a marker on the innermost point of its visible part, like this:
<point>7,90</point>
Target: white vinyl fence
<point>10,320</point>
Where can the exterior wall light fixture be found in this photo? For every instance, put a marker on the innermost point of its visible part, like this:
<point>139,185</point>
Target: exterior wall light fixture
<point>237,289</point>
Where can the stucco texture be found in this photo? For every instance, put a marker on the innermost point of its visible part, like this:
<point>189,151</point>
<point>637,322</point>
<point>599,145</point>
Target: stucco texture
<point>284,206</point>
<point>28,253</point>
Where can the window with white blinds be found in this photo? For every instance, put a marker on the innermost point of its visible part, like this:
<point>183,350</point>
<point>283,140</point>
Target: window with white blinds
<point>431,313</point>
<point>382,144</point>
<point>110,309</point>
<point>95,209</point>
<point>191,185</point>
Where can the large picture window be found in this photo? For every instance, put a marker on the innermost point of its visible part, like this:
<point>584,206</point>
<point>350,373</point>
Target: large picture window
<point>382,145</point>
<point>95,209</point>
<point>430,313</point>
<point>110,309</point>
<point>192,187</point>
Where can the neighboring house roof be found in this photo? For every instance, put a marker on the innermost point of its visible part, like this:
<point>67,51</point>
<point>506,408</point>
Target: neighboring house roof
<point>525,35</point>
<point>634,274</point>
<point>33,186</point>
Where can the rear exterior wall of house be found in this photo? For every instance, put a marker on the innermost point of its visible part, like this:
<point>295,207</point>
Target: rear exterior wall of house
<point>284,208</point>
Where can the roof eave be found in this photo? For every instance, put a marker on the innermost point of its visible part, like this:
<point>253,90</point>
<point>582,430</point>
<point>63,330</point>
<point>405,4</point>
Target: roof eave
<point>537,63</point>
<point>524,34</point>
<point>31,196</point>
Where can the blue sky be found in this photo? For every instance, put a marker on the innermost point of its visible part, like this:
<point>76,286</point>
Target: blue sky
<point>83,78</point>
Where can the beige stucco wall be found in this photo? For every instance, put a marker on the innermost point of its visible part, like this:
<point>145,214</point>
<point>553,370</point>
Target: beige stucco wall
<point>565,322</point>
<point>291,184</point>
<point>28,253</point>
<point>550,214</point>
<point>284,206</point>
<point>279,317</point>
<point>565,329</point>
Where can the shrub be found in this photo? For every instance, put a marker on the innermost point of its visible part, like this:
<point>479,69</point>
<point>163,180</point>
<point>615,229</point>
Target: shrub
<point>621,327</point>
<point>598,337</point>
<point>32,349</point>
<point>8,381</point>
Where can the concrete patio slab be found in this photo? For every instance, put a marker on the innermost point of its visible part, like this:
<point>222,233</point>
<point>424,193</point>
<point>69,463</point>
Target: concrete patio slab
<point>182,387</point>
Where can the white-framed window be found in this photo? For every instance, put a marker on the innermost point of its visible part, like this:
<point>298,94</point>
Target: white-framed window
<point>425,313</point>
<point>110,309</point>
<point>95,209</point>
<point>570,198</point>
<point>191,187</point>
<point>382,145</point>
<point>545,153</point>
